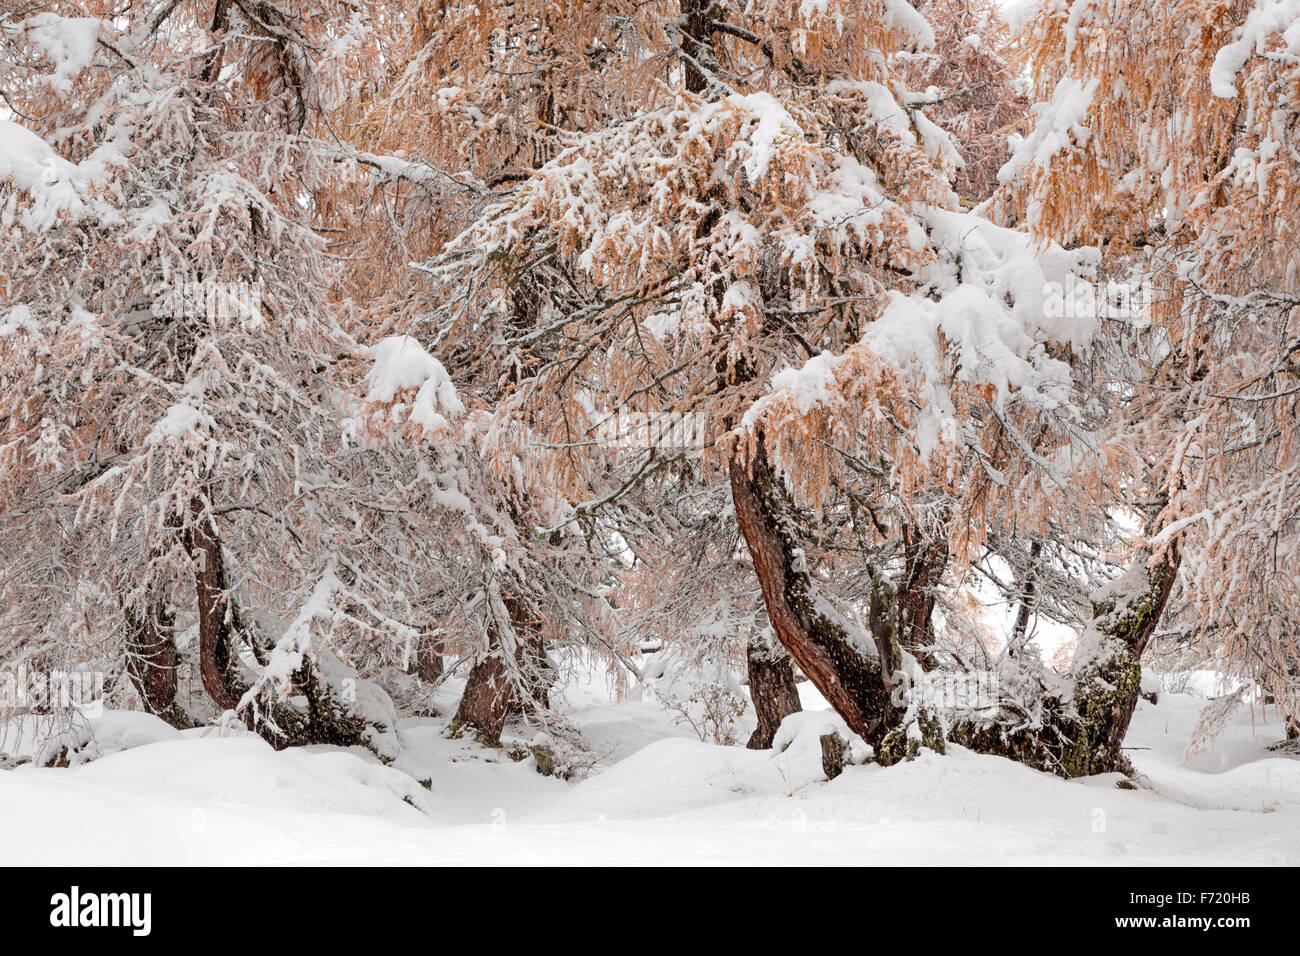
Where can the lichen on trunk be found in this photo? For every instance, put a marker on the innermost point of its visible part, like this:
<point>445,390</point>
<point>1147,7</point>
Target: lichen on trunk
<point>1081,728</point>
<point>1107,669</point>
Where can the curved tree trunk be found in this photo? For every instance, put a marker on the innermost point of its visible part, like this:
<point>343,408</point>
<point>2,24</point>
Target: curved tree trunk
<point>219,625</point>
<point>844,664</point>
<point>331,715</point>
<point>697,37</point>
<point>771,688</point>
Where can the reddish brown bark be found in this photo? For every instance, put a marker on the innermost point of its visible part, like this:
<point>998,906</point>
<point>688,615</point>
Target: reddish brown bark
<point>218,617</point>
<point>492,693</point>
<point>772,690</point>
<point>151,661</point>
<point>485,704</point>
<point>428,659</point>
<point>850,677</point>
<point>924,560</point>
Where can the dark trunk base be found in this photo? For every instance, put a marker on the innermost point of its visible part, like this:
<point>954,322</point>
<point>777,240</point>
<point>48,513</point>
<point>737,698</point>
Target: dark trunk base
<point>151,662</point>
<point>772,690</point>
<point>486,702</point>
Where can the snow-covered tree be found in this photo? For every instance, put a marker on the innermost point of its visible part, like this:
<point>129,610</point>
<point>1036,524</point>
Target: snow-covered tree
<point>771,242</point>
<point>1165,134</point>
<point>968,86</point>
<point>174,376</point>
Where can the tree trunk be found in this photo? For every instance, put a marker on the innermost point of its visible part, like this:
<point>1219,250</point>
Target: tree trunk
<point>697,34</point>
<point>492,692</point>
<point>924,561</point>
<point>771,688</point>
<point>151,661</point>
<point>485,703</point>
<point>1084,735</point>
<point>1107,668</point>
<point>428,659</point>
<point>219,624</point>
<point>1292,720</point>
<point>845,665</point>
<point>535,670</point>
<point>331,715</point>
<point>1027,590</point>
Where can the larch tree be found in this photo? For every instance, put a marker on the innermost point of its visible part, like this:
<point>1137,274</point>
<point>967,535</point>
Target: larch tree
<point>1165,134</point>
<point>171,443</point>
<point>969,84</point>
<point>474,99</point>
<point>345,339</point>
<point>771,242</point>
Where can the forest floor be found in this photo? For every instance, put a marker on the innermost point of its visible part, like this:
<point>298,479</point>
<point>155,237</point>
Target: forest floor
<point>655,795</point>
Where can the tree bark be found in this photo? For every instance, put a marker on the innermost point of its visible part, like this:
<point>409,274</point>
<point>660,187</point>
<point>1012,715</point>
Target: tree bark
<point>151,662</point>
<point>219,624</point>
<point>1084,735</point>
<point>772,690</point>
<point>850,673</point>
<point>331,715</point>
<point>924,561</point>
<point>1292,720</point>
<point>1027,592</point>
<point>697,32</point>
<point>536,672</point>
<point>492,693</point>
<point>485,704</point>
<point>1108,669</point>
<point>428,659</point>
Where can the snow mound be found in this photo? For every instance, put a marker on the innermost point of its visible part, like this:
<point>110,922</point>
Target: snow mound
<point>201,800</point>
<point>797,746</point>
<point>38,737</point>
<point>202,797</point>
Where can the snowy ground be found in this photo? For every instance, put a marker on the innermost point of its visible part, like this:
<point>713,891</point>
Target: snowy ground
<point>657,795</point>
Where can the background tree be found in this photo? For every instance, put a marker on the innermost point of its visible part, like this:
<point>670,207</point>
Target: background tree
<point>1165,134</point>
